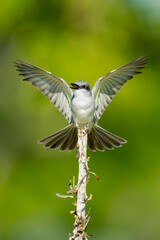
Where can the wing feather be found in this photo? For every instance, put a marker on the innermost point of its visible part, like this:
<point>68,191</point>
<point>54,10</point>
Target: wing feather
<point>52,86</point>
<point>107,86</point>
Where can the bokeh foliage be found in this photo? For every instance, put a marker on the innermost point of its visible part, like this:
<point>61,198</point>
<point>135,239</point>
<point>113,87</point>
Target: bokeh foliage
<point>79,40</point>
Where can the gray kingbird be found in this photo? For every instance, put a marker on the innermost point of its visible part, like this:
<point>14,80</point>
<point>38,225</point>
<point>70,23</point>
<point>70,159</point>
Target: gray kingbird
<point>81,106</point>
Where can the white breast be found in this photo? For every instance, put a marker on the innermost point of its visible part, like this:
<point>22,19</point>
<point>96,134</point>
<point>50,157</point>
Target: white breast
<point>83,107</point>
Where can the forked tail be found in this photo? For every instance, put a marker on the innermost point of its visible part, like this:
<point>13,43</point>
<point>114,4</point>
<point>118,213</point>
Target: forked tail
<point>98,138</point>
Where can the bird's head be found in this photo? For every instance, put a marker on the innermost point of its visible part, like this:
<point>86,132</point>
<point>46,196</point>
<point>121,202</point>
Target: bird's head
<point>81,85</point>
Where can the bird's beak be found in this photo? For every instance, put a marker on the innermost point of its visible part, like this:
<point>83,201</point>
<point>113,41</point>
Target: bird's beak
<point>74,86</point>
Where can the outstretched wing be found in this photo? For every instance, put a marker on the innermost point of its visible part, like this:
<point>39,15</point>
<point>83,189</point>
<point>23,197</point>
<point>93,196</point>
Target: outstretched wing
<point>53,87</point>
<point>107,86</point>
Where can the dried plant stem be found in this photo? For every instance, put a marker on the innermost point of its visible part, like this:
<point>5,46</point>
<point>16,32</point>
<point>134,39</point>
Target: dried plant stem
<point>81,220</point>
<point>83,164</point>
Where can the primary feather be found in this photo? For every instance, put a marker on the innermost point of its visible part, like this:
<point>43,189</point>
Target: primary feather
<point>52,86</point>
<point>107,86</point>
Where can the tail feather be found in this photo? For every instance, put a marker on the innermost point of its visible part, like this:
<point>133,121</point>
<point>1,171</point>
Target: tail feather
<point>91,143</point>
<point>97,141</point>
<point>50,137</point>
<point>109,141</point>
<point>66,138</point>
<point>67,141</point>
<point>58,138</point>
<point>100,138</point>
<point>110,135</point>
<point>104,141</point>
<point>74,140</point>
<point>58,141</point>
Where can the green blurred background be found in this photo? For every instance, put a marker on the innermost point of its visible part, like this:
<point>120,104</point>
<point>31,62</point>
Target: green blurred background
<point>79,40</point>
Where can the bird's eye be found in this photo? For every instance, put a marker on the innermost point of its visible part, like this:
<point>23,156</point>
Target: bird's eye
<point>83,86</point>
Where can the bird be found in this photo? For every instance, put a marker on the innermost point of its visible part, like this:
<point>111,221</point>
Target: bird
<point>81,106</point>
